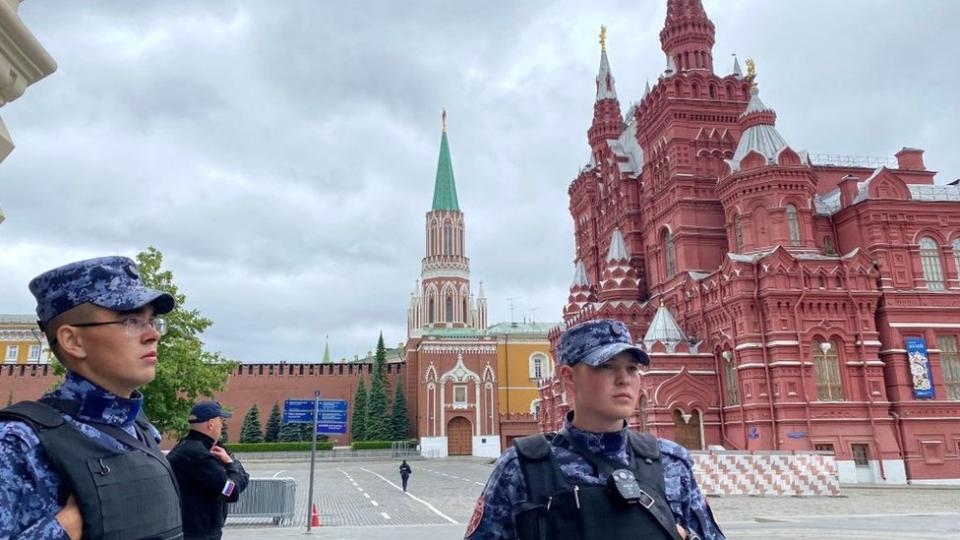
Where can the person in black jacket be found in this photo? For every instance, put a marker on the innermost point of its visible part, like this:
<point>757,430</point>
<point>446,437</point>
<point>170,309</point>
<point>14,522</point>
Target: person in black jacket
<point>208,475</point>
<point>405,472</point>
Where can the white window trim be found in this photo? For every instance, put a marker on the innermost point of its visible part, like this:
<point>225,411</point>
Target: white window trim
<point>12,352</point>
<point>457,404</point>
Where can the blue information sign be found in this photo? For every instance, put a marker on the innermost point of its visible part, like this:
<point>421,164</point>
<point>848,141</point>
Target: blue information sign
<point>919,364</point>
<point>331,418</point>
<point>298,411</point>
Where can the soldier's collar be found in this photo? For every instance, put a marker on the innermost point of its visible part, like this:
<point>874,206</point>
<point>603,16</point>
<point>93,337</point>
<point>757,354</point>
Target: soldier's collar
<point>611,443</point>
<point>98,404</point>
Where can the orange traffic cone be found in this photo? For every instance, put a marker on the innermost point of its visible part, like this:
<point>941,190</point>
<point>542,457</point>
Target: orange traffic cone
<point>314,517</point>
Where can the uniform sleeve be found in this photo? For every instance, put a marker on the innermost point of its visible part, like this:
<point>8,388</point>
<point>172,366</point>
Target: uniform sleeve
<point>214,478</point>
<point>22,516</point>
<point>493,518</point>
<point>239,476</point>
<point>689,506</point>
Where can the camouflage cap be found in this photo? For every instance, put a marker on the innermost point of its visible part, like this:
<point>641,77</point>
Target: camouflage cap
<point>109,282</point>
<point>595,342</point>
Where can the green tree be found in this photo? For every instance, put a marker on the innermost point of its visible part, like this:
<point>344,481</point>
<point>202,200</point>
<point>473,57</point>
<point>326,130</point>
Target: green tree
<point>399,419</point>
<point>185,372</point>
<point>273,425</point>
<point>251,432</point>
<point>358,422</point>
<point>224,435</point>
<point>290,433</point>
<point>380,363</point>
<point>377,427</point>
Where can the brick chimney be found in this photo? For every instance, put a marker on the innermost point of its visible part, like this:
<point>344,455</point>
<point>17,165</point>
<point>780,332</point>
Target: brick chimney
<point>910,159</point>
<point>848,190</point>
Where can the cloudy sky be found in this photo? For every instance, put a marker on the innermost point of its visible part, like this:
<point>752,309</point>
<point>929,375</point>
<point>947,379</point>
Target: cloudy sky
<point>282,154</point>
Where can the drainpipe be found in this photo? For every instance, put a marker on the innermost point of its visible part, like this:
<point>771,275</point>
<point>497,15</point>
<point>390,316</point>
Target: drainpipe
<point>866,389</point>
<point>800,348</point>
<point>766,360</point>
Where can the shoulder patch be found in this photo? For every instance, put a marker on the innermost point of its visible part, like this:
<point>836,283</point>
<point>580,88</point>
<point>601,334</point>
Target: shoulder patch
<point>476,518</point>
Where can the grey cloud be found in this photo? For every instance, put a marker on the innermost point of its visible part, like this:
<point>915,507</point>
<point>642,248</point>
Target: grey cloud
<point>282,156</point>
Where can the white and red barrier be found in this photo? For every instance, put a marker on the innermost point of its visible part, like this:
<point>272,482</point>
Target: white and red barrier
<point>806,474</point>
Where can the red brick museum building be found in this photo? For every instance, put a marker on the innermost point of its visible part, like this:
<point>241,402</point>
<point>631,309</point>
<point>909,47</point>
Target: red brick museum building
<point>789,301</point>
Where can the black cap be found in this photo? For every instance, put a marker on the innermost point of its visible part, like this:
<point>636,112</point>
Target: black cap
<point>206,410</point>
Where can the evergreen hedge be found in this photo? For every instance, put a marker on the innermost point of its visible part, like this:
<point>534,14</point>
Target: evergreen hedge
<point>378,445</point>
<point>279,447</point>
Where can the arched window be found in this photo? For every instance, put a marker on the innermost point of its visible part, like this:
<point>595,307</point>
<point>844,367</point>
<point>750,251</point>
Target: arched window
<point>432,315</point>
<point>733,383</point>
<point>930,260</point>
<point>828,248</point>
<point>956,254</point>
<point>826,370</point>
<point>449,310</point>
<point>644,408</point>
<point>793,225</point>
<point>670,254</point>
<point>950,365</point>
<point>465,315</point>
<point>432,246</point>
<point>738,232</point>
<point>538,366</point>
<point>447,239</point>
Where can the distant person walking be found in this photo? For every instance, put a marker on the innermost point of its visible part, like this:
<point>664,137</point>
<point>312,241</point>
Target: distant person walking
<point>405,472</point>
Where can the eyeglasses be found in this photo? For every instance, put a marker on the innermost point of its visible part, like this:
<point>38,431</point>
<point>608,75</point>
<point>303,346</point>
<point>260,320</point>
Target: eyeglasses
<point>133,326</point>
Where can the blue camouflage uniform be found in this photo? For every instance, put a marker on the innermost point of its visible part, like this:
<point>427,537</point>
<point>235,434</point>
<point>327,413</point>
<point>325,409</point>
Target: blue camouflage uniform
<point>506,488</point>
<point>29,484</point>
<point>592,343</point>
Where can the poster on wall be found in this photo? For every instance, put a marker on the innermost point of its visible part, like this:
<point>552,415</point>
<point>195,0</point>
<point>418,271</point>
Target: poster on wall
<point>919,364</point>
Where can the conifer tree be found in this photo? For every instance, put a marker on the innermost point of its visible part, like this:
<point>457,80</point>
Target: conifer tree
<point>380,363</point>
<point>400,420</point>
<point>306,434</point>
<point>272,432</point>
<point>251,431</point>
<point>358,421</point>
<point>289,433</point>
<point>224,435</point>
<point>378,423</point>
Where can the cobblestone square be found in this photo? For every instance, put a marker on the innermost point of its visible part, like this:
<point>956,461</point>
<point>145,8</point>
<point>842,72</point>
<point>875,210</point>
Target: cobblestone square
<point>363,499</point>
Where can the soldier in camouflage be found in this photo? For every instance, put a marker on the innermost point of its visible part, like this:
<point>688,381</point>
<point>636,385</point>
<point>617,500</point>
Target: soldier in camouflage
<point>101,324</point>
<point>598,365</point>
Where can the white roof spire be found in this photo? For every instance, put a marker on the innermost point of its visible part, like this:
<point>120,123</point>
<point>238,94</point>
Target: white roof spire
<point>646,91</point>
<point>618,248</point>
<point>480,291</point>
<point>580,278</point>
<point>605,81</point>
<point>736,68</point>
<point>664,328</point>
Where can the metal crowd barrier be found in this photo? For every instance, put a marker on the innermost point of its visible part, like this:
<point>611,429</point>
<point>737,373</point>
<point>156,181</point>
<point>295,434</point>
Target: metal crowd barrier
<point>267,498</point>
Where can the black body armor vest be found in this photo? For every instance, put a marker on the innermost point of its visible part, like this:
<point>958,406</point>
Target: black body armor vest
<point>122,495</point>
<point>560,508</point>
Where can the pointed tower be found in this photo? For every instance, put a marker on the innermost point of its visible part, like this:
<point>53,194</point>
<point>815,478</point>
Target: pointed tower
<point>442,298</point>
<point>619,279</point>
<point>326,351</point>
<point>763,158</point>
<point>581,292</point>
<point>607,119</point>
<point>687,37</point>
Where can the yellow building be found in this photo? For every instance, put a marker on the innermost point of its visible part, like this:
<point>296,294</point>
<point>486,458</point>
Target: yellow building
<point>523,361</point>
<point>21,342</point>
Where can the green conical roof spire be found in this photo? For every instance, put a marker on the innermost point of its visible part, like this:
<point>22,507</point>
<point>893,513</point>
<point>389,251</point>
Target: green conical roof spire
<point>326,351</point>
<point>445,189</point>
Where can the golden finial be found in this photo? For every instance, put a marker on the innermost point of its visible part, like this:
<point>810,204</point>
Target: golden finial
<point>443,121</point>
<point>751,70</point>
<point>603,37</point>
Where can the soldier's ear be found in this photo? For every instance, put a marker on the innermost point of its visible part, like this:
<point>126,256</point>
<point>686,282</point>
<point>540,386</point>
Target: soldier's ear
<point>70,342</point>
<point>565,373</point>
